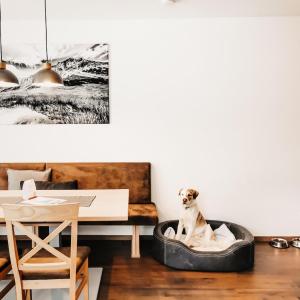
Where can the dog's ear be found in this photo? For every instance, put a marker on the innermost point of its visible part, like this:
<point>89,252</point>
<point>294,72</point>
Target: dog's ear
<point>180,192</point>
<point>195,194</point>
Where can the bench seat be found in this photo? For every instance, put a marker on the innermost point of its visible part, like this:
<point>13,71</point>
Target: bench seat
<point>138,214</point>
<point>142,214</point>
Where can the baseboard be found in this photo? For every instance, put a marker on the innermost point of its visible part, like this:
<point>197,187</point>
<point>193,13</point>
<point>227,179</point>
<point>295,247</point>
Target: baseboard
<point>150,237</point>
<point>87,237</point>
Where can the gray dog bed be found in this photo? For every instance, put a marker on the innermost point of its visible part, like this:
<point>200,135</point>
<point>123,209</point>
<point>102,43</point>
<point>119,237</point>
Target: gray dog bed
<point>173,253</point>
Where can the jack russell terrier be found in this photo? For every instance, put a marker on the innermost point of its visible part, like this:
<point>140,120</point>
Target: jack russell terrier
<point>191,219</point>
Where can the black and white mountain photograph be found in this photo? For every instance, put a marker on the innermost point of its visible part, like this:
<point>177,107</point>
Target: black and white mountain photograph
<point>83,98</point>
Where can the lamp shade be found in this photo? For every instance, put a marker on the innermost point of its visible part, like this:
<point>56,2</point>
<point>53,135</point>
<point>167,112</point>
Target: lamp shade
<point>47,77</point>
<point>7,78</point>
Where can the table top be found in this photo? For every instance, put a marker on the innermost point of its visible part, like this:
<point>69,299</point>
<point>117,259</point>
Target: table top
<point>109,205</point>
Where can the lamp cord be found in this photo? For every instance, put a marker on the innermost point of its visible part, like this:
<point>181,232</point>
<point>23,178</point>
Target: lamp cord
<point>0,32</point>
<point>46,29</point>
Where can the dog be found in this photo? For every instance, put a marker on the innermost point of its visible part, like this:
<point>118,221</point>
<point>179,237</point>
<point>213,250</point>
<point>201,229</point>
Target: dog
<point>191,219</point>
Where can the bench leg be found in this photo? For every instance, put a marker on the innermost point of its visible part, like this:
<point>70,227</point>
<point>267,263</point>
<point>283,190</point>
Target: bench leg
<point>135,242</point>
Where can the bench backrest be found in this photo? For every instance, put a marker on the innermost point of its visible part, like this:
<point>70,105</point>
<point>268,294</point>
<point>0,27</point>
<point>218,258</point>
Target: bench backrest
<point>133,176</point>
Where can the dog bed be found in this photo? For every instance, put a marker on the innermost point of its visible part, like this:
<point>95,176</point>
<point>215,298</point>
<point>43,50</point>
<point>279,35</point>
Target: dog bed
<point>175,254</point>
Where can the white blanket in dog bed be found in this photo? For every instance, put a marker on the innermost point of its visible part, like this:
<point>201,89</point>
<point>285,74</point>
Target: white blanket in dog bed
<point>224,238</point>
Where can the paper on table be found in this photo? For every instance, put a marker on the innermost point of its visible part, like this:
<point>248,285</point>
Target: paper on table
<point>29,195</point>
<point>44,201</point>
<point>28,189</point>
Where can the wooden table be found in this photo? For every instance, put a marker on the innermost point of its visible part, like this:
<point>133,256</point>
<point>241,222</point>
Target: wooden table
<point>109,205</point>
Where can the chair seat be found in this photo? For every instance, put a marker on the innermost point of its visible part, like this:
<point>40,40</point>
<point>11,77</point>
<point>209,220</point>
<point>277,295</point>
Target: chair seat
<point>4,260</point>
<point>43,256</point>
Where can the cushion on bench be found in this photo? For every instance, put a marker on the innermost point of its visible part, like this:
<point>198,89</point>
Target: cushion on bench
<point>17,166</point>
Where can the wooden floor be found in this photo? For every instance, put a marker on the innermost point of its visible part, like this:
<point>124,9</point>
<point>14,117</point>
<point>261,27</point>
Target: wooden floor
<point>276,276</point>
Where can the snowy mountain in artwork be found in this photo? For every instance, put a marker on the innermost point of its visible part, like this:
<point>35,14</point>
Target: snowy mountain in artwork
<point>84,98</point>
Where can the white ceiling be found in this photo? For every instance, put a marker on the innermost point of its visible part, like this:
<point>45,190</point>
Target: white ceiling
<point>139,9</point>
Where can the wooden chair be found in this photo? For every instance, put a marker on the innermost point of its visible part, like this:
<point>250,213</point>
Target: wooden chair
<point>5,268</point>
<point>43,266</point>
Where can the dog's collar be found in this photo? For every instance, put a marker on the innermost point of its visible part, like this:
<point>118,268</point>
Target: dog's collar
<point>187,207</point>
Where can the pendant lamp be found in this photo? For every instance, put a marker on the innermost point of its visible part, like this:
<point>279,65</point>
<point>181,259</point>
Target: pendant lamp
<point>7,78</point>
<point>46,77</point>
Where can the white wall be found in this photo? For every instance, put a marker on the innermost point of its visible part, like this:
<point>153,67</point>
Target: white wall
<point>141,9</point>
<point>211,103</point>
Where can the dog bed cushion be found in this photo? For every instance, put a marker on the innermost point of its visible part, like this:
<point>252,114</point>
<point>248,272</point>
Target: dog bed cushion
<point>223,239</point>
<point>239,256</point>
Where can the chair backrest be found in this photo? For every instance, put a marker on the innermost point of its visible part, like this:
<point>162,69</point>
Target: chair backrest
<point>21,216</point>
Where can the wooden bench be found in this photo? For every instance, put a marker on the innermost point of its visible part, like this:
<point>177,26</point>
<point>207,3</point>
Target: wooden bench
<point>133,176</point>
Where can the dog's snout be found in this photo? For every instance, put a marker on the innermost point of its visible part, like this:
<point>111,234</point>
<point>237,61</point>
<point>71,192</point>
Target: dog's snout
<point>184,200</point>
